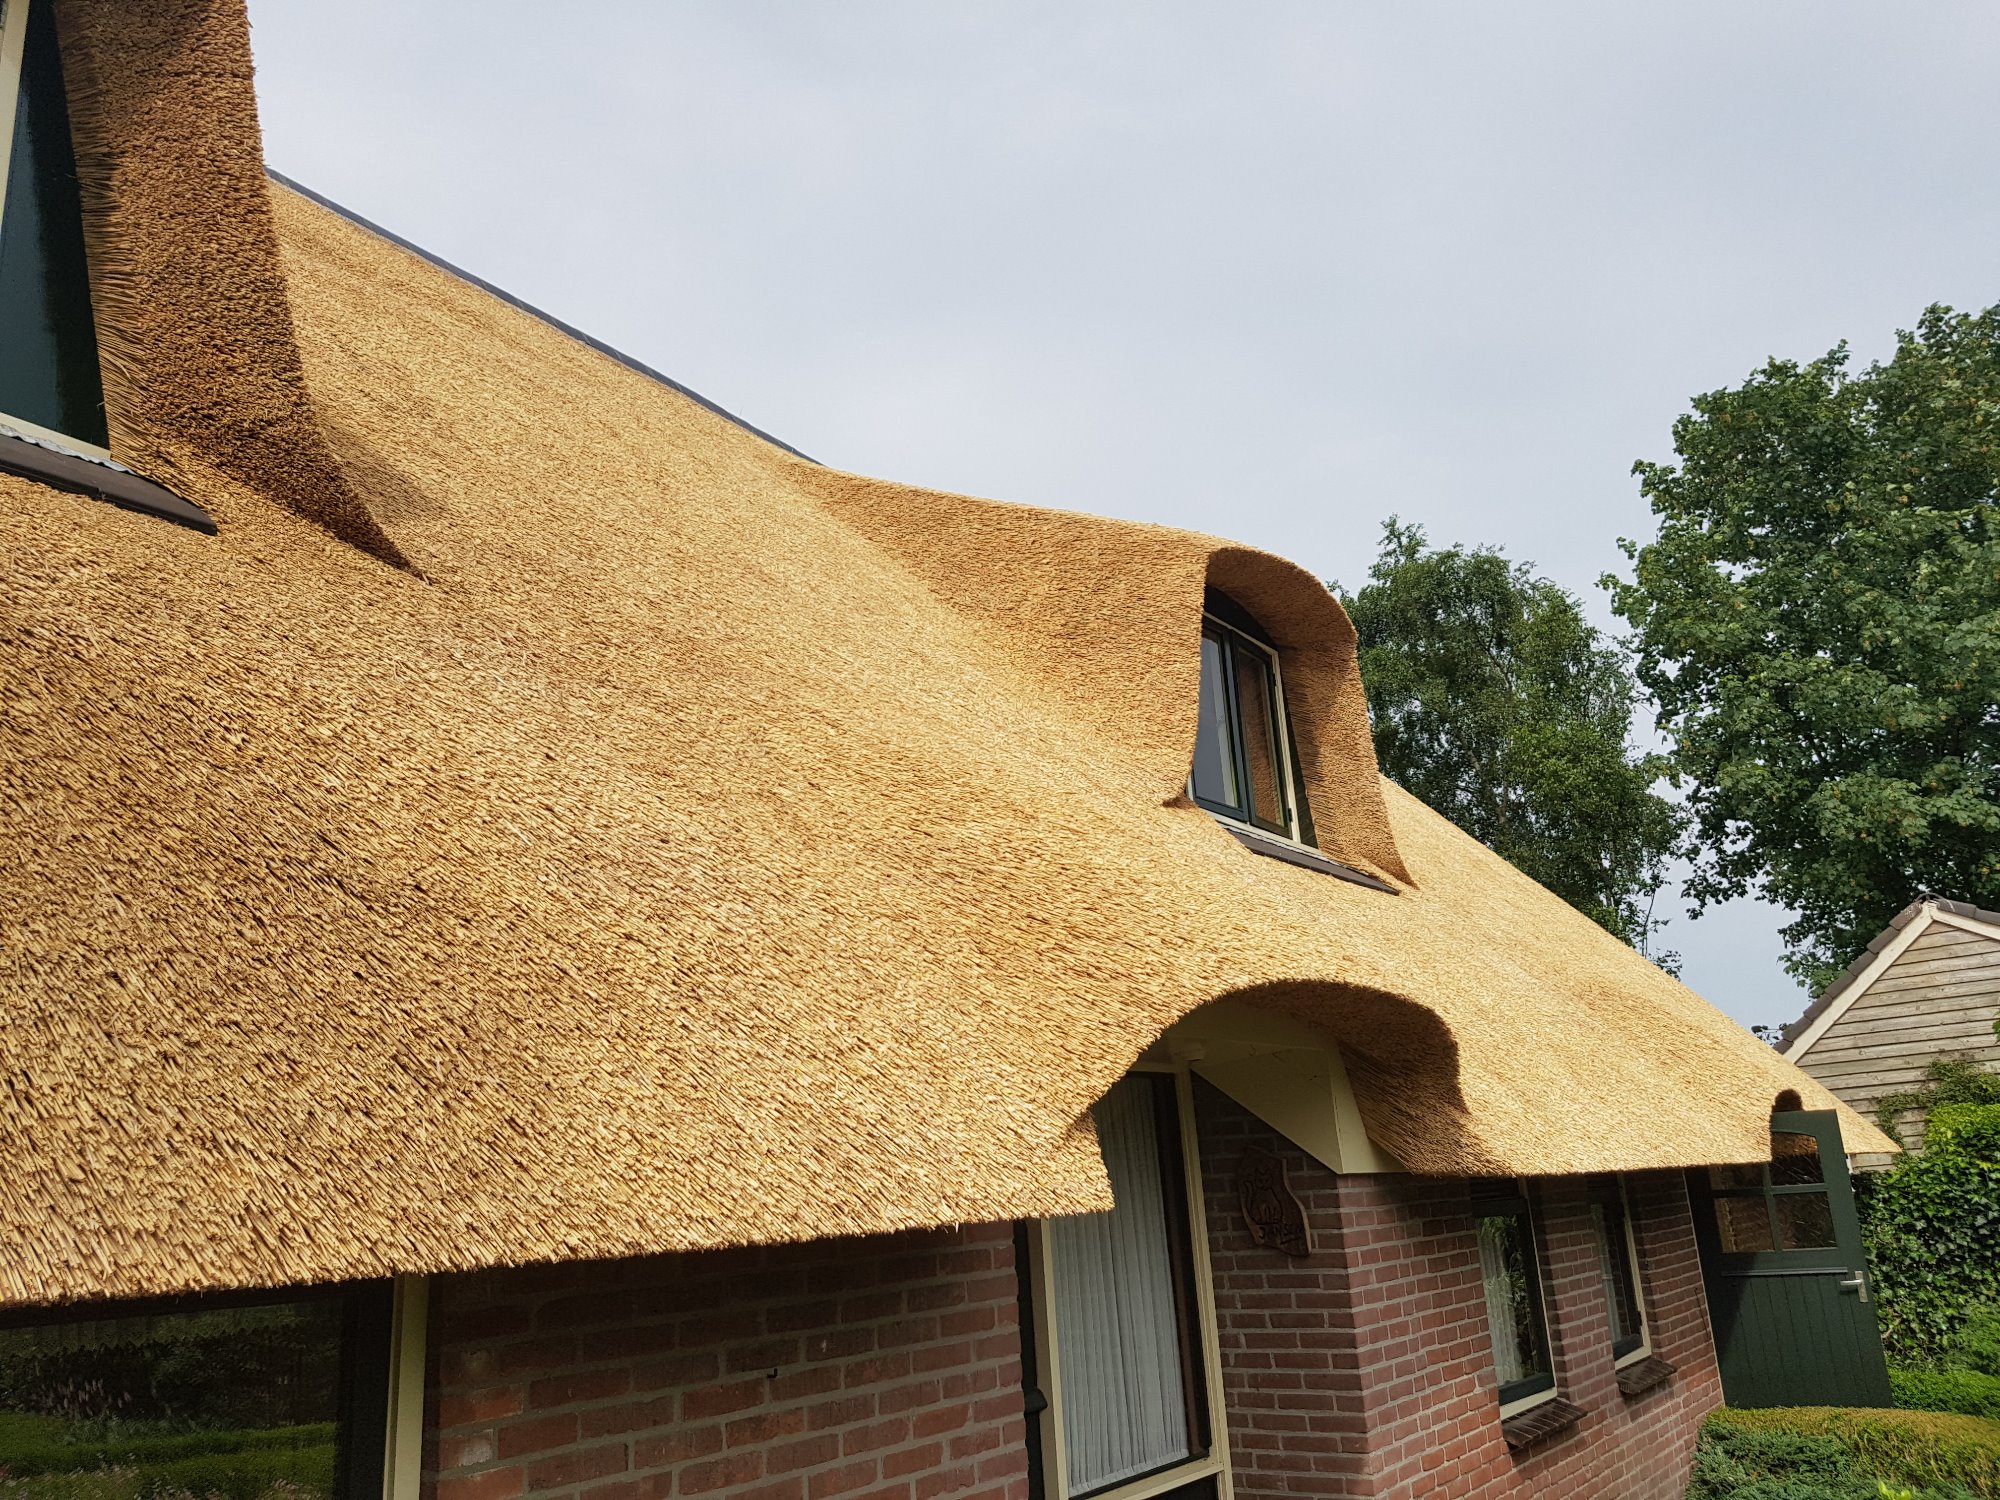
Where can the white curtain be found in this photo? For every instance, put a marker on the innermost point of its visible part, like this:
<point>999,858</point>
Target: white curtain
<point>1496,1237</point>
<point>1124,1408</point>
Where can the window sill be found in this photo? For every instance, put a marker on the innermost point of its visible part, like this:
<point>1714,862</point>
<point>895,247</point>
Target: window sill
<point>1272,847</point>
<point>1541,1421</point>
<point>1643,1375</point>
<point>100,480</point>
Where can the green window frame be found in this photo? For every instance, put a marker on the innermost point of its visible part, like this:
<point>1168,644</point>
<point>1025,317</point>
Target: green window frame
<point>1245,768</point>
<point>1510,1263</point>
<point>51,385</point>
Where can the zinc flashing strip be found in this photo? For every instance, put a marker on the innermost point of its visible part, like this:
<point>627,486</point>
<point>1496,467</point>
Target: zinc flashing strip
<point>568,330</point>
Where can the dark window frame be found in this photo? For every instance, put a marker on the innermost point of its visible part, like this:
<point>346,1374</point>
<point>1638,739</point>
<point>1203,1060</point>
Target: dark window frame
<point>1232,628</point>
<point>367,1350</point>
<point>1508,1199</point>
<point>1609,1195</point>
<point>51,380</point>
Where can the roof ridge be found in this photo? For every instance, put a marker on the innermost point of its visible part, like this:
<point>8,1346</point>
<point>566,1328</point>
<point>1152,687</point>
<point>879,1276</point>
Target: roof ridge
<point>568,329</point>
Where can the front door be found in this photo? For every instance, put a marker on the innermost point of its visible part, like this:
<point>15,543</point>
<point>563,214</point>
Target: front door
<point>1787,1283</point>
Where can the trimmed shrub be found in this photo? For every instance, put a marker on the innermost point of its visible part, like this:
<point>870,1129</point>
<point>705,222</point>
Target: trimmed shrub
<point>1967,1392</point>
<point>1977,1345</point>
<point>1912,1448</point>
<point>19,1459</point>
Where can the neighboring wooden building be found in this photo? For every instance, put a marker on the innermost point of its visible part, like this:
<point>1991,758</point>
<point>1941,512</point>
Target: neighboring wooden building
<point>1927,988</point>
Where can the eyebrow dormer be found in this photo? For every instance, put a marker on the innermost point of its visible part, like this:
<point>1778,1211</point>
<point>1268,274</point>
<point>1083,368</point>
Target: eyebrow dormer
<point>1246,768</point>
<point>50,386</point>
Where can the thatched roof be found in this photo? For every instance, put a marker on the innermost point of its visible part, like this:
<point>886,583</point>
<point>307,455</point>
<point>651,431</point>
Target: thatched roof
<point>548,820</point>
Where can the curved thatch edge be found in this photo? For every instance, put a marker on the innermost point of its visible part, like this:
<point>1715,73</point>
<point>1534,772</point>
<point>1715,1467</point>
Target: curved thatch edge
<point>197,347</point>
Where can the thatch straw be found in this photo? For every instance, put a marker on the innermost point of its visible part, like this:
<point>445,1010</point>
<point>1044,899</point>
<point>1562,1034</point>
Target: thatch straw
<point>717,849</point>
<point>194,328</point>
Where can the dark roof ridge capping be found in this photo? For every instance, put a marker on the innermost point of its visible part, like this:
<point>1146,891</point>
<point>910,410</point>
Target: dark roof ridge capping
<point>568,329</point>
<point>1882,939</point>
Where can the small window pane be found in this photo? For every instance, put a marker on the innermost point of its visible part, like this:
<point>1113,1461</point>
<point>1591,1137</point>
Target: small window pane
<point>242,1403</point>
<point>1794,1159</point>
<point>1257,710</point>
<point>48,342</point>
<point>1124,1322</point>
<point>1614,1258</point>
<point>1215,744</point>
<point>1742,1225</point>
<point>1513,1302</point>
<point>1737,1175</point>
<point>1805,1221</point>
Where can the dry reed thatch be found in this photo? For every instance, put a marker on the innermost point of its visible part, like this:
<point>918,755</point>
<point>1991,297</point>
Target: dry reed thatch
<point>692,846</point>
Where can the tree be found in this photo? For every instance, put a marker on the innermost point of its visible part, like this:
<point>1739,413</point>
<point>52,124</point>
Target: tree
<point>1818,621</point>
<point>1497,703</point>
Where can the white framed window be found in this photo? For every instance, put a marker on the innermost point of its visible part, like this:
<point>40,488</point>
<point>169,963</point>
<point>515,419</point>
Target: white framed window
<point>309,1394</point>
<point>1618,1264</point>
<point>51,388</point>
<point>1122,1316</point>
<point>1510,1273</point>
<point>1245,768</point>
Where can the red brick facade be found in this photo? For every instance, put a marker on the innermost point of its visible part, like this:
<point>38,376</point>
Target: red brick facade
<point>889,1368</point>
<point>1366,1369</point>
<point>868,1369</point>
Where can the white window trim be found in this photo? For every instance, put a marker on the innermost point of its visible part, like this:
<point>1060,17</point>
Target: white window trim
<point>1048,1372</point>
<point>1289,772</point>
<point>403,1446</point>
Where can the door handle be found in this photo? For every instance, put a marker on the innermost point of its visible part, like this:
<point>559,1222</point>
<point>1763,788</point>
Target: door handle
<point>1858,1284</point>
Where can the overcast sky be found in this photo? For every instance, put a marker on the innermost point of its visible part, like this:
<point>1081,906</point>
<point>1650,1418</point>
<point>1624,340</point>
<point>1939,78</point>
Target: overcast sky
<point>1275,271</point>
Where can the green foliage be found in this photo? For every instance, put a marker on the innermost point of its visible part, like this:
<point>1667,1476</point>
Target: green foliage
<point>1948,1081</point>
<point>287,1463</point>
<point>1931,1226</point>
<point>35,1450</point>
<point>1497,703</point>
<point>1977,1345</point>
<point>1964,1391</point>
<point>1934,1453</point>
<point>1818,620</point>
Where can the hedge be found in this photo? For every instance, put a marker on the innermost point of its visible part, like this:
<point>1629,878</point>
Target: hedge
<point>22,1459</point>
<point>1939,1450</point>
<point>1967,1392</point>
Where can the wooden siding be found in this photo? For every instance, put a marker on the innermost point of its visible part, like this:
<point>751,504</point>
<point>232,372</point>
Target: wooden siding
<point>1938,999</point>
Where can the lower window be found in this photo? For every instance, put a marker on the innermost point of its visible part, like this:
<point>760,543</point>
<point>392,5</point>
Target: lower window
<point>1618,1263</point>
<point>277,1398</point>
<point>1510,1272</point>
<point>1122,1330</point>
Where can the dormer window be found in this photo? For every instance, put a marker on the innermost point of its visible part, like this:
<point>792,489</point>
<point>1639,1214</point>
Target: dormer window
<point>50,388</point>
<point>1244,769</point>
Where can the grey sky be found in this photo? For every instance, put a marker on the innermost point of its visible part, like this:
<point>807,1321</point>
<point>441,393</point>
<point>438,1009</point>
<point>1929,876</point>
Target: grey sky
<point>1269,270</point>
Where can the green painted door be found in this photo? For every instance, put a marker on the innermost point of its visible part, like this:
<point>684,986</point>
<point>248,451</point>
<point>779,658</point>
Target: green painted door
<point>1787,1284</point>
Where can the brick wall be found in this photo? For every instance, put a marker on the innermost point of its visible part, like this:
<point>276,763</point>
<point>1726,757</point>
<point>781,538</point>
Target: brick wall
<point>889,1368</point>
<point>1366,1369</point>
<point>869,1369</point>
